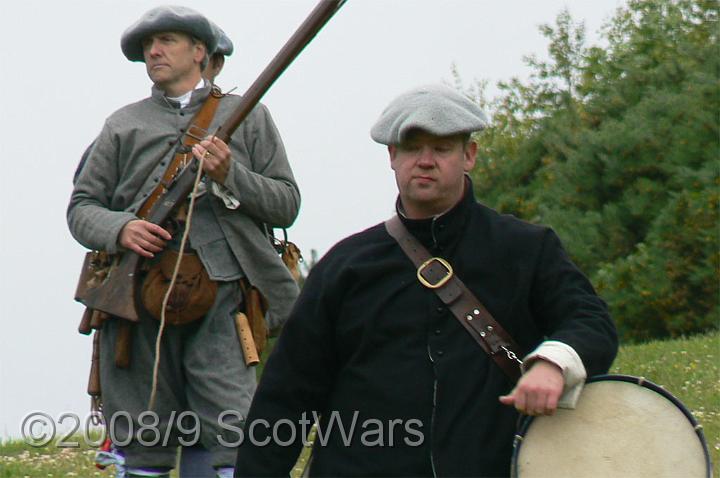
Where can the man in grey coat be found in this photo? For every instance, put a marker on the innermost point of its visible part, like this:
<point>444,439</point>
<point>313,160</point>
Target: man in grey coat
<point>248,184</point>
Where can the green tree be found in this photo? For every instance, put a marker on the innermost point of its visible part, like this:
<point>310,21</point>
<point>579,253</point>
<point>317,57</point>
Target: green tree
<point>616,147</point>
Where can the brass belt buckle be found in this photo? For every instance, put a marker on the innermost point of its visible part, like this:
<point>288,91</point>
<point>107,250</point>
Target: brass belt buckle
<point>442,281</point>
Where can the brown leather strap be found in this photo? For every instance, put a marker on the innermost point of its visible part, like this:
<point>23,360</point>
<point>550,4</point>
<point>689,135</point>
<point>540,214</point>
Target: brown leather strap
<point>437,275</point>
<point>195,133</point>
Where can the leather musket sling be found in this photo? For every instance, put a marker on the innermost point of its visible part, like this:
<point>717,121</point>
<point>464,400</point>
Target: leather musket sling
<point>437,275</point>
<point>195,133</point>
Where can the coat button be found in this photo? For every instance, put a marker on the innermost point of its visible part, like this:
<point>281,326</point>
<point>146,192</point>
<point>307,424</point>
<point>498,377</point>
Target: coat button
<point>438,331</point>
<point>440,353</point>
<point>440,310</point>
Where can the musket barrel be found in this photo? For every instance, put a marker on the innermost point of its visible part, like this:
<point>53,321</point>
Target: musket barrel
<point>320,15</point>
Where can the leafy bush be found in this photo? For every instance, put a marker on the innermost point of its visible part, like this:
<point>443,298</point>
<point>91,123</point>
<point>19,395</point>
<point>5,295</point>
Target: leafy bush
<point>617,149</point>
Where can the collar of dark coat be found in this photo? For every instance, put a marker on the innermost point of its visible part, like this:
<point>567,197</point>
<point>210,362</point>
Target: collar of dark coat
<point>197,98</point>
<point>439,232</point>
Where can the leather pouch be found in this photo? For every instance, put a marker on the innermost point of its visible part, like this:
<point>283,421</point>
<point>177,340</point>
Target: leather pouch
<point>192,296</point>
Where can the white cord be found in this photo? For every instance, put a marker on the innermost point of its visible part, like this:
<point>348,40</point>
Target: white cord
<point>156,365</point>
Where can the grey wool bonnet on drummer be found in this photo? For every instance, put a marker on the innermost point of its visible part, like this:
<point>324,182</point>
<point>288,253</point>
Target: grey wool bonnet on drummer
<point>168,18</point>
<point>437,109</point>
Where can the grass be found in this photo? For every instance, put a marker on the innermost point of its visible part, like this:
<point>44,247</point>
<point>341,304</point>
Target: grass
<point>687,368</point>
<point>20,460</point>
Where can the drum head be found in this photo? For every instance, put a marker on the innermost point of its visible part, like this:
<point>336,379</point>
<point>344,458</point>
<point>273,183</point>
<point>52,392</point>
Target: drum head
<point>622,427</point>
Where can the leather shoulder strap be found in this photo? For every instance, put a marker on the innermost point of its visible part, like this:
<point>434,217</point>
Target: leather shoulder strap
<point>196,132</point>
<point>437,275</point>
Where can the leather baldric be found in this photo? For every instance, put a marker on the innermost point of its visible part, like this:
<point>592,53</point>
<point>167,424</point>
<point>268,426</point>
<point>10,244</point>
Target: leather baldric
<point>196,132</point>
<point>437,275</point>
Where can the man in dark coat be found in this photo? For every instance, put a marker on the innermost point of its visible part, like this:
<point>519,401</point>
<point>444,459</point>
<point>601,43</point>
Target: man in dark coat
<point>399,386</point>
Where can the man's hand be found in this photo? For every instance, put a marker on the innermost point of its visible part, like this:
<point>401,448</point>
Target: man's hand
<point>143,237</point>
<point>217,158</point>
<point>538,390</point>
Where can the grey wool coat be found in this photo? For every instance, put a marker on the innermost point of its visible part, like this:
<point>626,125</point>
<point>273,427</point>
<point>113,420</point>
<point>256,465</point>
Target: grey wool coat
<point>131,154</point>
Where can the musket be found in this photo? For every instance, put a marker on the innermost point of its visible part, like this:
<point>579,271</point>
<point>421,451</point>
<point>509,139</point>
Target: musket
<point>116,295</point>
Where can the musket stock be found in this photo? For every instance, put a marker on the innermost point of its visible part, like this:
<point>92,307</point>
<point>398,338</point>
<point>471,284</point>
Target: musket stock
<point>116,295</point>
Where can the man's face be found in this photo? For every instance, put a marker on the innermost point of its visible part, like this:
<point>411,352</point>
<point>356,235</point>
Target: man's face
<point>429,171</point>
<point>172,59</point>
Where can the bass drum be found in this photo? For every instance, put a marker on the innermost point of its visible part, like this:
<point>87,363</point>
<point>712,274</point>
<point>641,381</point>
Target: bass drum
<point>623,426</point>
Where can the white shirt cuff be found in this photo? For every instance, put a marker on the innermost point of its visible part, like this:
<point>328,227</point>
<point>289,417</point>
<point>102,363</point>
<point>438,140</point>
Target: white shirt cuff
<point>230,201</point>
<point>569,361</point>
<point>227,197</point>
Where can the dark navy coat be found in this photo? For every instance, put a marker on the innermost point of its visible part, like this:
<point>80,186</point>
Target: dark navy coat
<point>369,348</point>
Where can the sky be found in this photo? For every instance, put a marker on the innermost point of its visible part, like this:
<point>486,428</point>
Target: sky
<point>63,74</point>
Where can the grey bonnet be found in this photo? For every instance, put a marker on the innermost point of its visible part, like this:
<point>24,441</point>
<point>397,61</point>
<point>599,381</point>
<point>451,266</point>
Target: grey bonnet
<point>165,19</point>
<point>224,44</point>
<point>437,109</point>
